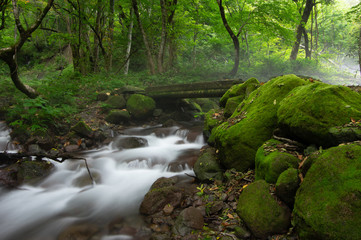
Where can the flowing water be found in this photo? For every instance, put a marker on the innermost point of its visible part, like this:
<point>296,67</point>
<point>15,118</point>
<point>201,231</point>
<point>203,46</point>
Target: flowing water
<point>121,179</point>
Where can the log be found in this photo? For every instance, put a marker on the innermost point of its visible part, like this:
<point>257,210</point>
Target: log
<point>192,90</point>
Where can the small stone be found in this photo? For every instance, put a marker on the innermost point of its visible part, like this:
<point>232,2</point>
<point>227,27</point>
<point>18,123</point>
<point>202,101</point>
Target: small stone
<point>168,209</point>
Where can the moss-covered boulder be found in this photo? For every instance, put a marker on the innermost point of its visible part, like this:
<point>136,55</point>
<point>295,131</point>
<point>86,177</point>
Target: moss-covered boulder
<point>328,202</point>
<point>287,185</point>
<point>349,133</point>
<point>207,104</point>
<point>115,102</point>
<point>252,123</point>
<point>270,162</point>
<point>82,129</point>
<point>232,104</point>
<point>261,211</point>
<point>117,116</point>
<point>309,112</point>
<point>140,106</point>
<point>212,119</point>
<point>242,90</point>
<point>31,171</point>
<point>207,167</point>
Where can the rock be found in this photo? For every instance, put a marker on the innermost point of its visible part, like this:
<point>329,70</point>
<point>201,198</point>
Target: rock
<point>189,219</point>
<point>103,96</point>
<point>82,129</point>
<point>261,212</point>
<point>242,90</point>
<point>72,148</point>
<point>242,232</point>
<point>130,142</point>
<point>212,119</point>
<point>207,167</point>
<point>157,112</point>
<point>252,123</point>
<point>309,112</point>
<point>287,185</point>
<point>207,104</point>
<point>328,202</point>
<point>8,176</point>
<point>118,116</point>
<point>115,102</point>
<point>231,105</point>
<point>128,89</point>
<point>34,149</point>
<point>81,232</point>
<point>344,134</point>
<point>31,171</point>
<point>270,162</point>
<point>140,106</point>
<point>162,192</point>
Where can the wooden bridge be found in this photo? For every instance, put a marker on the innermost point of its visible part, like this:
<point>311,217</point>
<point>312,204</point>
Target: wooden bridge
<point>191,90</point>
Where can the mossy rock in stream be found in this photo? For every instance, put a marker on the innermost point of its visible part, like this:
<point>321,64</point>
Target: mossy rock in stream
<point>207,167</point>
<point>261,212</point>
<point>242,90</point>
<point>252,123</point>
<point>328,202</point>
<point>309,112</point>
<point>270,162</point>
<point>140,106</point>
<point>31,171</point>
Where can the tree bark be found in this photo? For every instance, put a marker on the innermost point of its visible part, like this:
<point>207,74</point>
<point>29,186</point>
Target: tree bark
<point>163,36</point>
<point>234,39</point>
<point>8,54</point>
<point>359,50</point>
<point>305,16</point>
<point>307,44</point>
<point>129,47</point>
<point>111,34</point>
<point>145,39</point>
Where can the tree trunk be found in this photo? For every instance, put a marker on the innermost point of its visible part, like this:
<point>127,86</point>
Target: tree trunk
<point>95,67</point>
<point>163,36</point>
<point>130,36</point>
<point>305,16</point>
<point>145,39</point>
<point>307,44</point>
<point>359,50</point>
<point>234,39</point>
<point>111,34</point>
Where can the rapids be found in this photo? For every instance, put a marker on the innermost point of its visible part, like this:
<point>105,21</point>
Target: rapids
<point>121,179</point>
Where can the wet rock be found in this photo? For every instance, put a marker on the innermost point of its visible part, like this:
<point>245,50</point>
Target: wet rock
<point>207,167</point>
<point>81,232</point>
<point>118,116</point>
<point>8,176</point>
<point>71,148</point>
<point>130,142</point>
<point>189,219</point>
<point>31,171</point>
<point>308,112</point>
<point>82,129</point>
<point>270,162</point>
<point>162,192</point>
<point>34,149</point>
<point>261,211</point>
<point>287,185</point>
<point>328,202</point>
<point>140,106</point>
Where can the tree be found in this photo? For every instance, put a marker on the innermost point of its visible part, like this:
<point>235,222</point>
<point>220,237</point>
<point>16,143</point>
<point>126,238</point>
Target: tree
<point>9,54</point>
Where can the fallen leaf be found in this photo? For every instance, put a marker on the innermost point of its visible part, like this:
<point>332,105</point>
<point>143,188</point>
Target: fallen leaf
<point>353,120</point>
<point>230,216</point>
<point>79,142</point>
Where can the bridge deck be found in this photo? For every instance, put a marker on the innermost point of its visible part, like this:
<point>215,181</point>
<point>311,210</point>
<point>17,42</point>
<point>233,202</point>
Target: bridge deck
<point>192,90</point>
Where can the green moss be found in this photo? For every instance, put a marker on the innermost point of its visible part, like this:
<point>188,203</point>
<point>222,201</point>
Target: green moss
<point>212,119</point>
<point>232,104</point>
<point>287,185</point>
<point>82,129</point>
<point>252,123</point>
<point>115,102</point>
<point>242,90</point>
<point>328,203</point>
<point>207,167</point>
<point>261,212</point>
<point>118,116</point>
<point>140,106</point>
<point>310,111</point>
<point>270,163</point>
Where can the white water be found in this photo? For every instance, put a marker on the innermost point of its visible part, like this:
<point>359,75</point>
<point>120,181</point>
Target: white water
<point>67,196</point>
<point>5,141</point>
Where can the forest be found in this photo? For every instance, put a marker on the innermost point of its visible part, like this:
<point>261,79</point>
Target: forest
<point>193,119</point>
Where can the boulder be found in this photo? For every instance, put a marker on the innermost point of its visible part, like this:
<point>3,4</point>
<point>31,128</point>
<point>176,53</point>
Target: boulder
<point>140,106</point>
<point>206,104</point>
<point>309,112</point>
<point>328,202</point>
<point>130,142</point>
<point>189,219</point>
<point>161,193</point>
<point>261,212</point>
<point>103,96</point>
<point>349,133</point>
<point>207,167</point>
<point>231,105</point>
<point>270,162</point>
<point>287,185</point>
<point>31,171</point>
<point>82,129</point>
<point>115,102</point>
<point>252,123</point>
<point>213,118</point>
<point>242,90</point>
<point>117,116</point>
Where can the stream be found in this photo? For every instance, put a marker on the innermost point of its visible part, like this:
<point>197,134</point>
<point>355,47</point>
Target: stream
<point>122,176</point>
